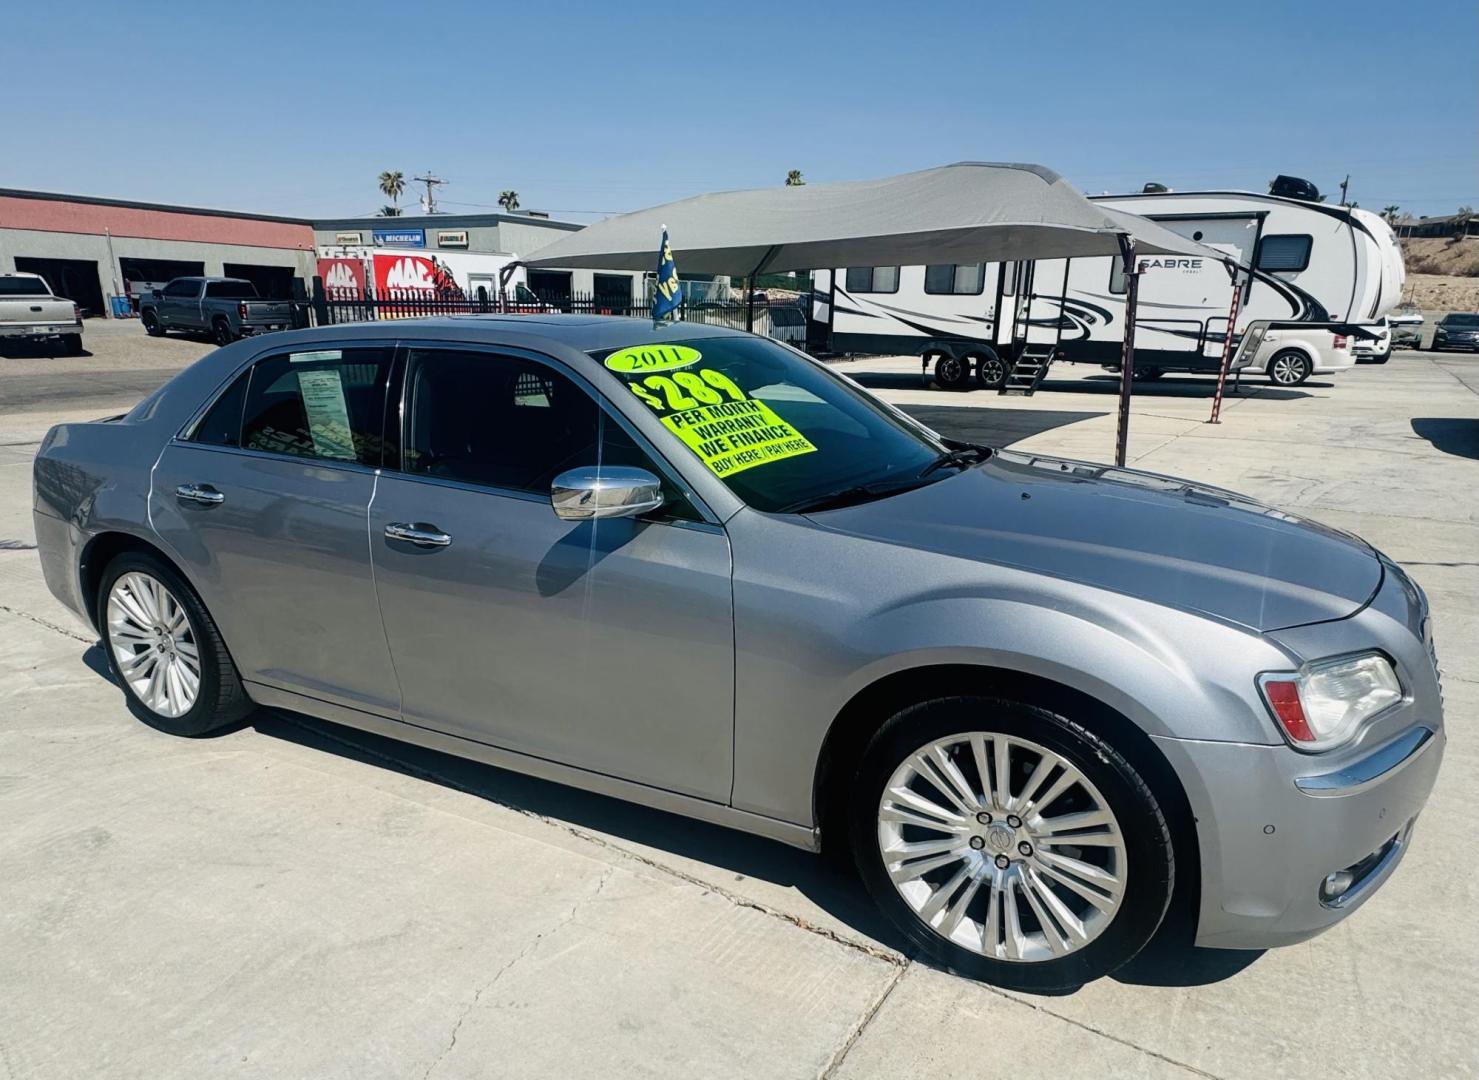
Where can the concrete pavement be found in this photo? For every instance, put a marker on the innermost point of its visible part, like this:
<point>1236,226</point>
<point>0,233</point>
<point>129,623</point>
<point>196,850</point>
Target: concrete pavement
<point>296,899</point>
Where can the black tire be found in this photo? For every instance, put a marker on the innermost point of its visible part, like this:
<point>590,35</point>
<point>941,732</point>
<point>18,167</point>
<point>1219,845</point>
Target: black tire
<point>1149,873</point>
<point>151,324</point>
<point>952,372</point>
<point>221,332</point>
<point>72,344</point>
<point>1289,367</point>
<point>991,370</point>
<point>221,700</point>
<point>1382,358</point>
<point>1146,374</point>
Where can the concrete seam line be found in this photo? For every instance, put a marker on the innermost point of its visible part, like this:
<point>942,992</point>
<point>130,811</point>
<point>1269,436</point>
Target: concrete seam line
<point>886,955</point>
<point>564,921</point>
<point>1092,1030</point>
<point>19,614</point>
<point>834,1062</point>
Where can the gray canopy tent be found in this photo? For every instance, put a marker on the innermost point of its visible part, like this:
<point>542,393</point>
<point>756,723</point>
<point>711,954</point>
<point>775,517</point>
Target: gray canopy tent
<point>964,213</point>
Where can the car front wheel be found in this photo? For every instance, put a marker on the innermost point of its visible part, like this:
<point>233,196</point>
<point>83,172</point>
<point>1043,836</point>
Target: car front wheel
<point>151,324</point>
<point>165,650</point>
<point>1010,843</point>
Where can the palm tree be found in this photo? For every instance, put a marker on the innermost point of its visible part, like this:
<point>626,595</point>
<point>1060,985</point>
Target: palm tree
<point>793,179</point>
<point>391,186</point>
<point>390,211</point>
<point>1390,213</point>
<point>509,200</point>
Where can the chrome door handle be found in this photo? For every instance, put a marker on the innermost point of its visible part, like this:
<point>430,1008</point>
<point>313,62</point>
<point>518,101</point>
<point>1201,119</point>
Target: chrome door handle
<point>420,534</point>
<point>201,493</point>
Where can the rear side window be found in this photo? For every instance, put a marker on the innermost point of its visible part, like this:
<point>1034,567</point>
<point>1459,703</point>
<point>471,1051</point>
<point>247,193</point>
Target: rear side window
<point>231,290</point>
<point>1284,252</point>
<point>183,287</point>
<point>221,425</point>
<point>325,403</point>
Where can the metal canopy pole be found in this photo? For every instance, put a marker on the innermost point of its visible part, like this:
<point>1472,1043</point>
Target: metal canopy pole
<point>750,286</point>
<point>1127,350</point>
<point>1232,321</point>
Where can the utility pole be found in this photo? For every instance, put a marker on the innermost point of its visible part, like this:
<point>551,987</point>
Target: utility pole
<point>429,200</point>
<point>1343,185</point>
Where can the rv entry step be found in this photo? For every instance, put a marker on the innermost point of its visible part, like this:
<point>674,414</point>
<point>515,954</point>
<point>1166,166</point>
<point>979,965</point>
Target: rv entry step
<point>1029,370</point>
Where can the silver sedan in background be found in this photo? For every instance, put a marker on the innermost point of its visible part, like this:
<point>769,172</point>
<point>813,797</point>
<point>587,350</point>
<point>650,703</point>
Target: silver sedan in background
<point>1040,702</point>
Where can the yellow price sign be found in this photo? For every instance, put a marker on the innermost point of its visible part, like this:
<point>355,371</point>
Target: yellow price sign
<point>737,435</point>
<point>644,358</point>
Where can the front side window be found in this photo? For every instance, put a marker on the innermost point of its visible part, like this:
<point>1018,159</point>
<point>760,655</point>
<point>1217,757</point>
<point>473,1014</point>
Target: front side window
<point>779,430</point>
<point>955,279</point>
<point>1284,252</point>
<point>510,422</point>
<point>874,279</point>
<point>323,403</point>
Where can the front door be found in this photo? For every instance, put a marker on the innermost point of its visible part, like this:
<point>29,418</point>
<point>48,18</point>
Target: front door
<point>263,504</point>
<point>607,645</point>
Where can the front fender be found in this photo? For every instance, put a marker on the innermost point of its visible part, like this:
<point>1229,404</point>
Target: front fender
<point>803,653</point>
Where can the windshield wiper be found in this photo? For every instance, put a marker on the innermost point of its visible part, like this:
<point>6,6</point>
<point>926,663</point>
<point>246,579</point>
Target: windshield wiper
<point>835,500</point>
<point>962,454</point>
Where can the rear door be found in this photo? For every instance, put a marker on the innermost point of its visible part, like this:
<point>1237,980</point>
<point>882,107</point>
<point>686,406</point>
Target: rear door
<point>607,645</point>
<point>263,504</point>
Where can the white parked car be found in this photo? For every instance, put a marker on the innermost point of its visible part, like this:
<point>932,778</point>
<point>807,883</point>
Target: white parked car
<point>1291,354</point>
<point>30,311</point>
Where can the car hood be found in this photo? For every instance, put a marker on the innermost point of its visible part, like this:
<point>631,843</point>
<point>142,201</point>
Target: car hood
<point>1154,537</point>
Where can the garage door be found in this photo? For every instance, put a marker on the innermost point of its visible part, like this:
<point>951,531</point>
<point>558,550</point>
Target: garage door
<point>76,279</point>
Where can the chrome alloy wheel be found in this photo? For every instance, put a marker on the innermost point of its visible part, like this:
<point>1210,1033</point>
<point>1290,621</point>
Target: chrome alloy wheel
<point>153,644</point>
<point>1288,370</point>
<point>1002,847</point>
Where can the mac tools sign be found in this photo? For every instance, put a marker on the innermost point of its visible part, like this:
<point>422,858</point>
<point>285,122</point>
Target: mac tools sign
<point>344,279</point>
<point>403,276</point>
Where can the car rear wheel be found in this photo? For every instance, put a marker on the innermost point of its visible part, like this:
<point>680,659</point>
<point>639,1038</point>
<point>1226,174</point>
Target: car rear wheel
<point>221,332</point>
<point>1289,368</point>
<point>1009,843</point>
<point>151,324</point>
<point>952,372</point>
<point>165,650</point>
<point>72,344</point>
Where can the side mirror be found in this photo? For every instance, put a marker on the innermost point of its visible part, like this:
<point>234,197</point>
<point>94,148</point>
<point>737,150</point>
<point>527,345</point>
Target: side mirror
<point>615,491</point>
<point>158,293</point>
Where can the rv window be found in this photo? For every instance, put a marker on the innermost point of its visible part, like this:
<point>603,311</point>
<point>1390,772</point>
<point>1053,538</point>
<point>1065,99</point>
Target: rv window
<point>1290,251</point>
<point>1117,276</point>
<point>1009,278</point>
<point>958,279</point>
<point>866,279</point>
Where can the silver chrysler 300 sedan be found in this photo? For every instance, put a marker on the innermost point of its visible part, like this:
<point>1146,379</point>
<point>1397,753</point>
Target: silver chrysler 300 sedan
<point>1036,700</point>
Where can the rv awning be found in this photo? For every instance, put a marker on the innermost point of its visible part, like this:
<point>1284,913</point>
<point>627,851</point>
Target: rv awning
<point>969,212</point>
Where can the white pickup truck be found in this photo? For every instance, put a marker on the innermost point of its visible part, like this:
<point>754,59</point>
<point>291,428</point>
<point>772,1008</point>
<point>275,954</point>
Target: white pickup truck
<point>30,312</point>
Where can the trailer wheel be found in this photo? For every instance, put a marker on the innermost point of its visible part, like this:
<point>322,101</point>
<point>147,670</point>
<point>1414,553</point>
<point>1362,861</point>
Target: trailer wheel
<point>952,373</point>
<point>991,370</point>
<point>1147,374</point>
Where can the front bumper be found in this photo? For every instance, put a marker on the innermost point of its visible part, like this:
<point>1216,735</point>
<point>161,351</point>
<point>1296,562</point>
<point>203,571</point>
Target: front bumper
<point>1274,823</point>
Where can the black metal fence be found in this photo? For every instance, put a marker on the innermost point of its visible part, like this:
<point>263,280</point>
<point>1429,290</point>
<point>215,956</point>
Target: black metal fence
<point>331,307</point>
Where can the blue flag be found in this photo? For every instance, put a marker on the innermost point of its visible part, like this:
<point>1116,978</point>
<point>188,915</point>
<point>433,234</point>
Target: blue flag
<point>668,296</point>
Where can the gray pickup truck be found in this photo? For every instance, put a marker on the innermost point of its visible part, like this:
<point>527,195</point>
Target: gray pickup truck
<point>30,311</point>
<point>225,308</point>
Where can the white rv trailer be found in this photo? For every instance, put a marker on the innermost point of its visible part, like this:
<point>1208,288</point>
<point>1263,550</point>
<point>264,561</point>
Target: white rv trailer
<point>1318,273</point>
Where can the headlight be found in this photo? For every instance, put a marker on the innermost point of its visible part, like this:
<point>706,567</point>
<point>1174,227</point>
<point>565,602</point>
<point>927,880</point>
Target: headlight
<point>1324,704</point>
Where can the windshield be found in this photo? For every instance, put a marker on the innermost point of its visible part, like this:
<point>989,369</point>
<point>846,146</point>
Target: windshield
<point>1462,320</point>
<point>22,285</point>
<point>780,430</point>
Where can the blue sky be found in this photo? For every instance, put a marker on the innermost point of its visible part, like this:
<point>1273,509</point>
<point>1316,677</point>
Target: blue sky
<point>296,108</point>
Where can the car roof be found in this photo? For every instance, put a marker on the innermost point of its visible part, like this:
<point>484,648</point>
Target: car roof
<point>584,333</point>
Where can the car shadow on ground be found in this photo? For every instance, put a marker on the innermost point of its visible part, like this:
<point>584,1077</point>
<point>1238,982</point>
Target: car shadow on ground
<point>42,350</point>
<point>1170,386</point>
<point>728,856</point>
<point>1450,434</point>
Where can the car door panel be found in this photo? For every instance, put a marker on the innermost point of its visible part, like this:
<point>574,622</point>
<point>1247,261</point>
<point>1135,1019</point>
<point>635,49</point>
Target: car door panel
<point>283,565</point>
<point>607,645</point>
